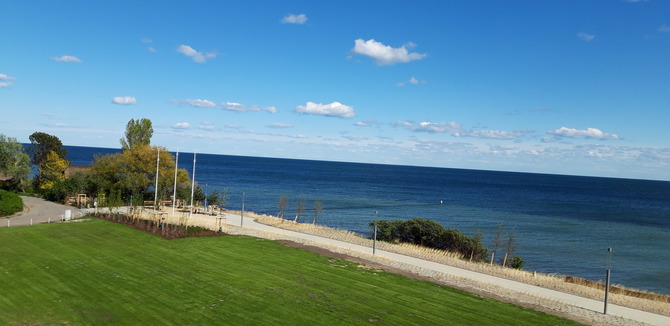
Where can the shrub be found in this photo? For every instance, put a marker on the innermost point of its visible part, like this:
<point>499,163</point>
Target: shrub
<point>430,234</point>
<point>10,203</point>
<point>517,262</point>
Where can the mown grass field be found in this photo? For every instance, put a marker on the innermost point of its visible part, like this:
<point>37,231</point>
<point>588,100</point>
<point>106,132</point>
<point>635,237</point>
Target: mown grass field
<point>101,273</point>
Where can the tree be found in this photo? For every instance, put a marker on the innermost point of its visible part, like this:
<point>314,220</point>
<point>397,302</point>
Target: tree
<point>52,170</point>
<point>318,207</point>
<point>49,156</point>
<point>497,241</point>
<point>14,163</point>
<point>283,203</point>
<point>299,209</point>
<point>133,171</point>
<point>42,144</point>
<point>509,248</point>
<point>220,200</point>
<point>138,133</point>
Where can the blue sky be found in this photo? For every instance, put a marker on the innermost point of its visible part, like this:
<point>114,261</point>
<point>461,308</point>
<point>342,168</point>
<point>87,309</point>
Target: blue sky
<point>567,87</point>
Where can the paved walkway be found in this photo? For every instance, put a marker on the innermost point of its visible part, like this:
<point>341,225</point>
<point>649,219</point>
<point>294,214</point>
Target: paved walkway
<point>40,211</point>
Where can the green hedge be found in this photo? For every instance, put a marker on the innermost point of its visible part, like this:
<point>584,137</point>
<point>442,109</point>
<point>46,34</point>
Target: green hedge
<point>10,203</point>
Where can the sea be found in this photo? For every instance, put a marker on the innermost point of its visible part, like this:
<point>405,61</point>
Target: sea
<point>562,224</point>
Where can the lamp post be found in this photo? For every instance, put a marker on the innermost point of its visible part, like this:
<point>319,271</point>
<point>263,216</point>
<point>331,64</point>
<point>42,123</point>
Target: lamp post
<point>607,278</point>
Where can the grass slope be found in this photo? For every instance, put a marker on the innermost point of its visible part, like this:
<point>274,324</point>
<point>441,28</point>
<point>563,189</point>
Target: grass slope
<point>104,273</point>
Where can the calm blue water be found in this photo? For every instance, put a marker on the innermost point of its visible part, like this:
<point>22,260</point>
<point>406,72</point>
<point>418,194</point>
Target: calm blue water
<point>563,224</point>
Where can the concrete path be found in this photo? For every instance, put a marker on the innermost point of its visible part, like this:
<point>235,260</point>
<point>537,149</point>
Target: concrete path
<point>38,211</point>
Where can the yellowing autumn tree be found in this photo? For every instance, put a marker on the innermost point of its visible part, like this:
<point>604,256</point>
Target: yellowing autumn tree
<point>52,169</point>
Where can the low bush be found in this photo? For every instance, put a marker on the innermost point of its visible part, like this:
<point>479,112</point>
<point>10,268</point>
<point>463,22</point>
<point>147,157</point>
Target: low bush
<point>10,203</point>
<point>428,233</point>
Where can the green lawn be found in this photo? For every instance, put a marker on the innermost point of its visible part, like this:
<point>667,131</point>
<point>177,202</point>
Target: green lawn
<point>103,273</point>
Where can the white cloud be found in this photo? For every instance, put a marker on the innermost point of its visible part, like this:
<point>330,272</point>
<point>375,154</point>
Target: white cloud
<point>335,109</point>
<point>209,126</point>
<point>384,54</point>
<point>181,126</point>
<point>412,81</point>
<point>279,125</point>
<point>588,133</point>
<point>664,28</point>
<point>196,103</point>
<point>366,123</point>
<point>294,19</point>
<point>456,130</point>
<point>586,37</point>
<point>432,127</point>
<point>238,107</point>
<point>124,100</point>
<point>493,134</point>
<point>6,81</point>
<point>67,58</point>
<point>198,57</point>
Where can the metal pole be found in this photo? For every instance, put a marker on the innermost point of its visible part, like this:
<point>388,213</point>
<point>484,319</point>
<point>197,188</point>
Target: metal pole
<point>607,278</point>
<point>174,191</point>
<point>242,217</point>
<point>190,212</point>
<point>158,160</point>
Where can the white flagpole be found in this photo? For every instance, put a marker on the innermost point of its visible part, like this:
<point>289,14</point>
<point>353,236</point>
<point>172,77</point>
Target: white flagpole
<point>158,159</point>
<point>174,192</point>
<point>192,186</point>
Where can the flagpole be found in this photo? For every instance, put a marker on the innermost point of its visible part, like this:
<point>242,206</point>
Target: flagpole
<point>192,185</point>
<point>174,192</point>
<point>158,159</point>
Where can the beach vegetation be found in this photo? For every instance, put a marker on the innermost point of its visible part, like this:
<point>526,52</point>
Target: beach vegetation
<point>138,133</point>
<point>14,165</point>
<point>428,233</point>
<point>10,203</point>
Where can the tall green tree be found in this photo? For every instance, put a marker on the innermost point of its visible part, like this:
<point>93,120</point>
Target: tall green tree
<point>49,156</point>
<point>14,163</point>
<point>42,144</point>
<point>138,133</point>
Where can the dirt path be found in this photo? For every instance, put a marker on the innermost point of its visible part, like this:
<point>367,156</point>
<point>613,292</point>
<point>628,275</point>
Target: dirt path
<point>39,211</point>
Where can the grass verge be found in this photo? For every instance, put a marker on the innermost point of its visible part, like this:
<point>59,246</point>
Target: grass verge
<point>105,273</point>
